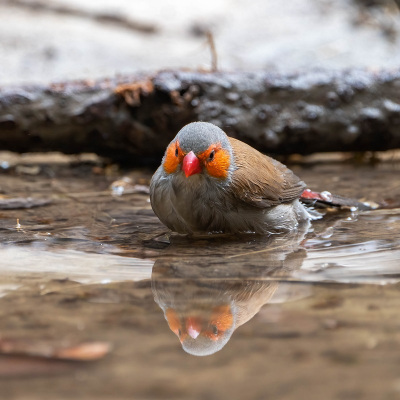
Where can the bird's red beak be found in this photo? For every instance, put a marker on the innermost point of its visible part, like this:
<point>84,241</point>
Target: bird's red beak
<point>193,327</point>
<point>191,164</point>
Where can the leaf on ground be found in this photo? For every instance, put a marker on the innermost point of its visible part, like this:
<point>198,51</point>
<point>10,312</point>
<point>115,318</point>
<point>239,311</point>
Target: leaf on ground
<point>87,351</point>
<point>84,352</point>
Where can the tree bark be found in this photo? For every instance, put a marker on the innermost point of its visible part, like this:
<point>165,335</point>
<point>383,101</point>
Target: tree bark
<point>133,118</point>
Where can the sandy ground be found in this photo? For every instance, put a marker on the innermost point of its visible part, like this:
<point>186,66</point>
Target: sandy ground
<point>40,46</point>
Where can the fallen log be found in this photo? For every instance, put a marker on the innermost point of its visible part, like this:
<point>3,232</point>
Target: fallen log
<point>133,118</point>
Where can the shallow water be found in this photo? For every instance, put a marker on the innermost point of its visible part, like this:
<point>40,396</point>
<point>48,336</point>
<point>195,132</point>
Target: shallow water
<point>274,317</point>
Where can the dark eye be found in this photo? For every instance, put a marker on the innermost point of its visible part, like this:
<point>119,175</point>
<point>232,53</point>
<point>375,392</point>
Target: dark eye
<point>176,152</point>
<point>211,156</point>
<point>179,332</point>
<point>214,330</point>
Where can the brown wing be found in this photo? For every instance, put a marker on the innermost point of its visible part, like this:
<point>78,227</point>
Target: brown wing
<point>260,180</point>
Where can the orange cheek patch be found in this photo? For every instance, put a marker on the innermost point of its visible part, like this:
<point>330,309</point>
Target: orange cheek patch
<point>218,167</point>
<point>171,160</point>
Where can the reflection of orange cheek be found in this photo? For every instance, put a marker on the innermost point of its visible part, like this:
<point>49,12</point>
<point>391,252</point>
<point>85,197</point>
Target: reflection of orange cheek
<point>173,321</point>
<point>211,335</point>
<point>222,318</point>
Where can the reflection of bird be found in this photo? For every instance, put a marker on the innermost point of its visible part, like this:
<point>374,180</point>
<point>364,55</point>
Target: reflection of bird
<point>205,301</point>
<point>208,182</point>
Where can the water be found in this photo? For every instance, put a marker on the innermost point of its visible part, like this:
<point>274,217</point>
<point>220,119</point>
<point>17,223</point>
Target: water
<point>311,314</point>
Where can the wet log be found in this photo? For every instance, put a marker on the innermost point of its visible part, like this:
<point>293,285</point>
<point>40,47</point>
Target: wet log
<point>133,118</point>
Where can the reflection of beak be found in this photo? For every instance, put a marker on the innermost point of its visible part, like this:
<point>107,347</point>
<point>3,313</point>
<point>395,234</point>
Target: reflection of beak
<point>191,164</point>
<point>193,327</point>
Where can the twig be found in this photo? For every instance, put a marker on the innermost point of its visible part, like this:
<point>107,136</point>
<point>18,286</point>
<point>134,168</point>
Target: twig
<point>214,56</point>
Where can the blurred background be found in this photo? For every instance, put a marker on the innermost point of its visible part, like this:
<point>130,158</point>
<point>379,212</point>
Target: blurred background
<point>53,40</point>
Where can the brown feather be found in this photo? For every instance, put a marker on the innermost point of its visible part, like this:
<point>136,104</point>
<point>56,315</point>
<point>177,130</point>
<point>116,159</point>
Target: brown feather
<point>260,180</point>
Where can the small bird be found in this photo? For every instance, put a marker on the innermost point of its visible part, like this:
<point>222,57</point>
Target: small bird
<point>211,183</point>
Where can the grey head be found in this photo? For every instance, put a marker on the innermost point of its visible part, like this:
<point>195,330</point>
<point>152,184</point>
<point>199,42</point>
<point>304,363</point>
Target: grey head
<point>199,136</point>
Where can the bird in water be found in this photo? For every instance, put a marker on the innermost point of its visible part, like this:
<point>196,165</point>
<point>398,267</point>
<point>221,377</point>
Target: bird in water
<point>211,183</point>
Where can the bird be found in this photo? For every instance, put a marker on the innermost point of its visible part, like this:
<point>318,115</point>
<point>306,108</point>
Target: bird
<point>210,183</point>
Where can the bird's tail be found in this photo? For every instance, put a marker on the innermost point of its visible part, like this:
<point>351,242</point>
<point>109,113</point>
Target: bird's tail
<point>329,200</point>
